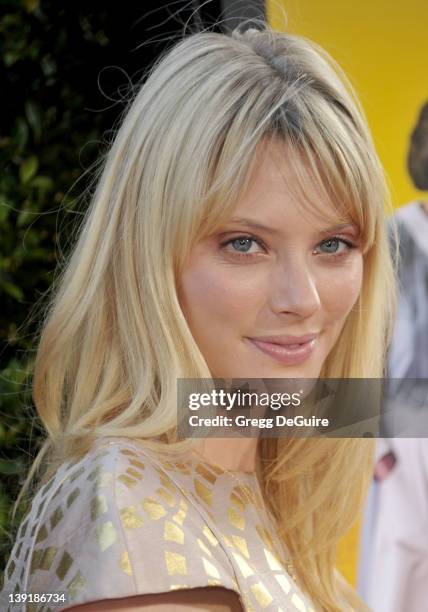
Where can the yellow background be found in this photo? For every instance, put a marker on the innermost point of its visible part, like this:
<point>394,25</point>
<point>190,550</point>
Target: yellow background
<point>381,45</point>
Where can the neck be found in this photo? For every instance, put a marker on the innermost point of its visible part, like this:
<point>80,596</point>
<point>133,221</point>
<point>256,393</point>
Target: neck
<point>232,454</point>
<point>424,206</point>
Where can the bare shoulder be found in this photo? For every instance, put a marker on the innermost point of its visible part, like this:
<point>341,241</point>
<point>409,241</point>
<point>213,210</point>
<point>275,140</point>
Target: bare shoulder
<point>212,599</point>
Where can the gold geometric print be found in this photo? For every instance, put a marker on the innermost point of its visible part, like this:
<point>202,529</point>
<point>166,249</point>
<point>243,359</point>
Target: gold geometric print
<point>64,565</point>
<point>262,595</point>
<point>209,529</point>
<point>106,535</point>
<point>35,559</point>
<point>298,603</point>
<point>241,545</point>
<point>94,473</point>
<point>56,517</point>
<point>203,492</point>
<point>245,493</point>
<point>204,548</point>
<point>131,518</point>
<point>265,536</point>
<point>227,540</point>
<point>11,569</point>
<point>238,502</point>
<point>181,514</point>
<point>104,479</point>
<point>129,453</point>
<point>175,563</point>
<point>47,486</point>
<point>273,562</point>
<point>57,492</point>
<point>134,473</point>
<point>127,481</point>
<point>98,506</point>
<point>153,508</point>
<point>203,471</point>
<point>184,468</point>
<point>173,533</point>
<point>125,564</point>
<point>165,482</point>
<point>73,495</point>
<point>76,585</point>
<point>138,464</point>
<point>41,535</point>
<point>283,582</point>
<point>209,535</point>
<point>166,496</point>
<point>245,569</point>
<point>172,466</point>
<point>47,557</point>
<point>235,519</point>
<point>76,474</point>
<point>210,569</point>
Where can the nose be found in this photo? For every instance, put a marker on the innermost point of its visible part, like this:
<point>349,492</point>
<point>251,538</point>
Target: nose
<point>294,290</point>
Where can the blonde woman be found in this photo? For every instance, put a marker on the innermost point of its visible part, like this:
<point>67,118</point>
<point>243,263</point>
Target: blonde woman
<point>240,212</point>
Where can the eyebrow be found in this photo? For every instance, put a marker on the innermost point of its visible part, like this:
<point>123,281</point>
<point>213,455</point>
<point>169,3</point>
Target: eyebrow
<point>271,230</point>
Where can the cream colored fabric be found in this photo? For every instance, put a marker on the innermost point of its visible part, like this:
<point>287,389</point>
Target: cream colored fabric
<point>124,521</point>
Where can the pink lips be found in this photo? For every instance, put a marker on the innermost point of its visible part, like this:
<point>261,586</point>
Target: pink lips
<point>289,350</point>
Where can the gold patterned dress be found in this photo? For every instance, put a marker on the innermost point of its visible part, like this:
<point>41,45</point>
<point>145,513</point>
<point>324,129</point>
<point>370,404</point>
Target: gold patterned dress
<point>124,521</point>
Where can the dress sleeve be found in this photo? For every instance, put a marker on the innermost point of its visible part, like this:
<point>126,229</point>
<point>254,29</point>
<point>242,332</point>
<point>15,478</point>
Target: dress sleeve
<point>120,528</point>
<point>79,549</point>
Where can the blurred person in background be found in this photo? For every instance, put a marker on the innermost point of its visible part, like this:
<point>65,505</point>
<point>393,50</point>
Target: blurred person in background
<point>394,549</point>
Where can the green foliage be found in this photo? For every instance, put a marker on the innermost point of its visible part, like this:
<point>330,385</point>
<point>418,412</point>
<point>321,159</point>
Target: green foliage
<point>64,80</point>
<point>50,60</point>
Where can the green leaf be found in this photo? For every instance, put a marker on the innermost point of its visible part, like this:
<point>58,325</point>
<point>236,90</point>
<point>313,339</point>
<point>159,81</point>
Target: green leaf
<point>32,112</point>
<point>20,134</point>
<point>28,169</point>
<point>24,217</point>
<point>10,467</point>
<point>31,5</point>
<point>12,290</point>
<point>5,209</point>
<point>9,58</point>
<point>44,183</point>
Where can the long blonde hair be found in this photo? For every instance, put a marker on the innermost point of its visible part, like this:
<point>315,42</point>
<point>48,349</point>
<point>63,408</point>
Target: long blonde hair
<point>114,340</point>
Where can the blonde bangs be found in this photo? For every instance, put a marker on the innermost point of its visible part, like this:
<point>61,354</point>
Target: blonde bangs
<point>326,165</point>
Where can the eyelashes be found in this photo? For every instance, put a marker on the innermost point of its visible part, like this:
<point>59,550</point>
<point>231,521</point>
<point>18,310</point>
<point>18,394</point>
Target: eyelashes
<point>348,245</point>
<point>242,239</point>
<point>247,238</point>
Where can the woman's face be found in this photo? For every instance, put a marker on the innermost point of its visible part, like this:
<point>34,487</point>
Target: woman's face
<point>253,290</point>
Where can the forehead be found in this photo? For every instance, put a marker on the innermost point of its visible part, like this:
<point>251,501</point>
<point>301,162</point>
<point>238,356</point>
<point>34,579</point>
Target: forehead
<point>284,188</point>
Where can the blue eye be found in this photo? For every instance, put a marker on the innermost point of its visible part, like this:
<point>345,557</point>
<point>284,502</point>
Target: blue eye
<point>333,244</point>
<point>240,247</point>
<point>242,244</point>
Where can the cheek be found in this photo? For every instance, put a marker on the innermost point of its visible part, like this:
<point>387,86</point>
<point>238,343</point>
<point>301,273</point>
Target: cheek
<point>341,290</point>
<point>211,294</point>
